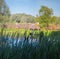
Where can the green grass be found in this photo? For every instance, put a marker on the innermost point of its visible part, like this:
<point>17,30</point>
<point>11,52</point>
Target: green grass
<point>48,46</point>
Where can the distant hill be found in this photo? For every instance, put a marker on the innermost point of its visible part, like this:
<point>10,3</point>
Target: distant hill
<point>22,18</point>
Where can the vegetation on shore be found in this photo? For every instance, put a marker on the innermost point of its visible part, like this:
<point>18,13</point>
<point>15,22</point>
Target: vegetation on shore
<point>29,44</point>
<point>45,16</point>
<point>37,45</point>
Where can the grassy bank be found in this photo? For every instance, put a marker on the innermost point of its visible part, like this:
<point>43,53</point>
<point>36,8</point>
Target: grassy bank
<point>12,46</point>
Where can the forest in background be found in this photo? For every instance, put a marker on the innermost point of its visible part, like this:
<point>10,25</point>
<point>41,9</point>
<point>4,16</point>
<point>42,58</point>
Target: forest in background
<point>44,18</point>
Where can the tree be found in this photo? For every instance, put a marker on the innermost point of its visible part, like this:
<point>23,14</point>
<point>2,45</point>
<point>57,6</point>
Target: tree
<point>45,11</point>
<point>4,10</point>
<point>22,18</point>
<point>55,20</point>
<point>45,15</point>
<point>3,7</point>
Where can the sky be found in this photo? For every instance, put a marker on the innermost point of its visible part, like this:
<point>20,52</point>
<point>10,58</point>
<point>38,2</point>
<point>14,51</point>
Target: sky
<point>32,6</point>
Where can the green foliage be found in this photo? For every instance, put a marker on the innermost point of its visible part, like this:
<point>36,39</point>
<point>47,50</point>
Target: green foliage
<point>22,18</point>
<point>47,47</point>
<point>45,11</point>
<point>1,18</point>
<point>4,12</point>
<point>45,17</point>
<point>55,20</point>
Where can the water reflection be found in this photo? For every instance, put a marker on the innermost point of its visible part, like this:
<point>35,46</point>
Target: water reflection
<point>20,41</point>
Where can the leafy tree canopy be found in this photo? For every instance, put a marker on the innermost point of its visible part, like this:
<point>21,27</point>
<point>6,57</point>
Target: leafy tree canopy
<point>44,16</point>
<point>45,11</point>
<point>4,11</point>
